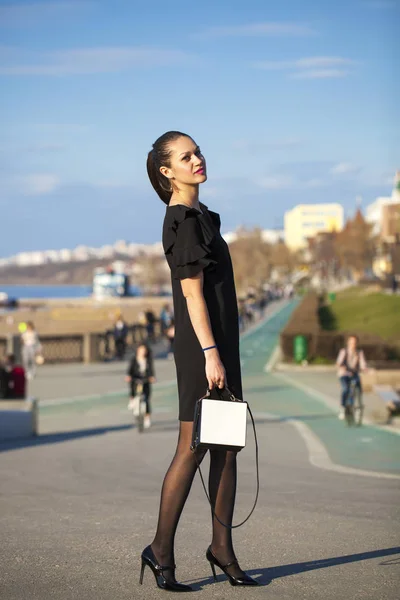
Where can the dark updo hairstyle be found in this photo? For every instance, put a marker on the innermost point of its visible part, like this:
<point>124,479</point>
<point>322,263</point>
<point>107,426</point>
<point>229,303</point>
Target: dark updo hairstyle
<point>158,157</point>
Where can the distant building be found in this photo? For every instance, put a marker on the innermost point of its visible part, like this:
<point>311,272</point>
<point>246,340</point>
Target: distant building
<point>390,222</point>
<point>307,220</point>
<point>374,213</point>
<point>271,236</point>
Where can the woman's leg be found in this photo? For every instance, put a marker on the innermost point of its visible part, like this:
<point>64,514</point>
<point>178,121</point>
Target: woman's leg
<point>222,490</point>
<point>345,383</point>
<point>147,394</point>
<point>175,490</point>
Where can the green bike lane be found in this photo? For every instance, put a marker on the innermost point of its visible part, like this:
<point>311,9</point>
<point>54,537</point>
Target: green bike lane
<point>368,448</point>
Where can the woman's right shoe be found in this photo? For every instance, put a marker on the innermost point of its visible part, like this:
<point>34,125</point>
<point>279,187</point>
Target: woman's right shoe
<point>214,562</point>
<point>170,584</point>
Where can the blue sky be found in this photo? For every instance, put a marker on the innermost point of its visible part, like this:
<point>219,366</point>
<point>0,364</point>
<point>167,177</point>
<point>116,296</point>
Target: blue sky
<point>290,101</point>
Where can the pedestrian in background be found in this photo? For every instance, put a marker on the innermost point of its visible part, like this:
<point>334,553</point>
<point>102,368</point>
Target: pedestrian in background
<point>31,349</point>
<point>166,318</point>
<point>150,323</point>
<point>16,379</point>
<point>4,376</point>
<point>120,333</point>
<point>141,373</point>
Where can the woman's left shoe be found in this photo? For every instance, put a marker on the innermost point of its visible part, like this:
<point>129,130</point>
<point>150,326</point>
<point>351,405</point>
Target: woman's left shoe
<point>214,562</point>
<point>147,422</point>
<point>164,582</point>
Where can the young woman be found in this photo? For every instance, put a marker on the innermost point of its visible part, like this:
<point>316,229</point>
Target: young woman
<point>141,372</point>
<point>350,361</point>
<point>31,348</point>
<point>206,349</point>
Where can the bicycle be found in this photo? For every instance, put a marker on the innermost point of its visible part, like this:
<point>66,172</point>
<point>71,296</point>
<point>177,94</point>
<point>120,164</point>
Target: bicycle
<point>138,406</point>
<point>354,408</point>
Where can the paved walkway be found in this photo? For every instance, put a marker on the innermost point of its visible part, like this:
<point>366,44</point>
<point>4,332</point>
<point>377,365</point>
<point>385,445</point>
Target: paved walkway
<point>78,504</point>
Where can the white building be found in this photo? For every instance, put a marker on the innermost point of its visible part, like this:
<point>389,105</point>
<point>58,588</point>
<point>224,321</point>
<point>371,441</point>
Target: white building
<point>270,236</point>
<point>306,220</point>
<point>374,211</point>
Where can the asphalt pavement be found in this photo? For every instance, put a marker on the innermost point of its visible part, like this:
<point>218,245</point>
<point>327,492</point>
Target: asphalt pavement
<point>79,503</point>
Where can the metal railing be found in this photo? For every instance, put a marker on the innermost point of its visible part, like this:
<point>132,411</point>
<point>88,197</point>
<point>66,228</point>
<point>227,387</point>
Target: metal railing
<point>62,349</point>
<point>85,347</point>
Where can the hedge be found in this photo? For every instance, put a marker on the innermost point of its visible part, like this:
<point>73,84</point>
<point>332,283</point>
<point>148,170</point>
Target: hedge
<point>326,344</point>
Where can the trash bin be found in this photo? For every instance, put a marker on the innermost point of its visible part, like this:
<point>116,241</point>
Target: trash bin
<point>300,348</point>
<point>332,296</point>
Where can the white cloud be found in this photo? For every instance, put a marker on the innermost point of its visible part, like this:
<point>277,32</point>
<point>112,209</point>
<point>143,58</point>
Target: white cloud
<point>258,29</point>
<point>276,182</point>
<point>286,182</point>
<point>344,168</point>
<point>40,184</point>
<point>16,14</point>
<point>311,62</point>
<point>96,60</point>
<point>320,74</point>
<point>312,67</point>
<point>314,183</point>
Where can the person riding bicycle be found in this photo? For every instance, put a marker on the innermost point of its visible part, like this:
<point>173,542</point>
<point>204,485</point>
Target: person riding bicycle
<point>141,376</point>
<point>351,361</point>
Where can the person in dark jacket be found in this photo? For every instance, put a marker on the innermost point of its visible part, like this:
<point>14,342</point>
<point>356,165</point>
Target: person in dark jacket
<point>15,379</point>
<point>141,373</point>
<point>120,333</point>
<point>4,377</point>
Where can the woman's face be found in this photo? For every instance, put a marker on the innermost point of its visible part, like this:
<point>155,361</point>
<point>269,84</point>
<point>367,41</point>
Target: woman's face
<point>187,164</point>
<point>352,343</point>
<point>141,352</point>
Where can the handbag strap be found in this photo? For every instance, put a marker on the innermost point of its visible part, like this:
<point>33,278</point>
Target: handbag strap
<point>257,478</point>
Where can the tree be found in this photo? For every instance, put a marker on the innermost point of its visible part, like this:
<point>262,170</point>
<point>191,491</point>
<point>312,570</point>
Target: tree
<point>254,259</point>
<point>251,259</point>
<point>354,246</point>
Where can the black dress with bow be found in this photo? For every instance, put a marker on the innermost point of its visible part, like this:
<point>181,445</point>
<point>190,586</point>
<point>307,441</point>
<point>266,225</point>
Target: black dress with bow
<point>193,243</point>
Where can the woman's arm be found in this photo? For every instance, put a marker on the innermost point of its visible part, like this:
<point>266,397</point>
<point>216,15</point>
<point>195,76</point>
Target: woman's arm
<point>340,358</point>
<point>192,289</point>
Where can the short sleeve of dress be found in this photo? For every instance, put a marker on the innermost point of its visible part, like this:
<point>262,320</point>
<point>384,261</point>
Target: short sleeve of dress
<point>189,254</point>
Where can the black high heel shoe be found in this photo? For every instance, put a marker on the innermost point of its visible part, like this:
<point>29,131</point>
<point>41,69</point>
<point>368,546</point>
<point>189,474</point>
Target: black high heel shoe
<point>169,584</point>
<point>214,562</point>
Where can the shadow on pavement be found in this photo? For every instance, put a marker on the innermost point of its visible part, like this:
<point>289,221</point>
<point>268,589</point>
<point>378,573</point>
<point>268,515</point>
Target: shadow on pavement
<point>62,436</point>
<point>266,575</point>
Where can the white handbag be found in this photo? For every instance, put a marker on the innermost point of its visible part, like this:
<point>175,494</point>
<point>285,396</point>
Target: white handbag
<point>221,425</point>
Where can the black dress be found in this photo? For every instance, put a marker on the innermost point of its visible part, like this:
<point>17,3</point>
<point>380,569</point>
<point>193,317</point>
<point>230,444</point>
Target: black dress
<point>192,243</point>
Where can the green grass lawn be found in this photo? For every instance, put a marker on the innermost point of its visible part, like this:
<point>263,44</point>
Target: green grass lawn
<point>358,309</point>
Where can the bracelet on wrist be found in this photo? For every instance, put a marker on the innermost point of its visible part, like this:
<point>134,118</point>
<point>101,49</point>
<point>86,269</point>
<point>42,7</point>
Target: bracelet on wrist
<point>208,348</point>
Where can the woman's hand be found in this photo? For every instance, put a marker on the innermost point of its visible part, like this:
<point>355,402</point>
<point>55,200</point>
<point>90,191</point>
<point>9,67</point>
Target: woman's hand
<point>215,371</point>
<point>128,378</point>
<point>152,379</point>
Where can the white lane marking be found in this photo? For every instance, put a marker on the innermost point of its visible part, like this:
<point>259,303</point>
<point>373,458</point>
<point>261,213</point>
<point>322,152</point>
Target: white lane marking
<point>320,458</point>
<point>329,401</point>
<point>273,359</point>
<point>317,452</point>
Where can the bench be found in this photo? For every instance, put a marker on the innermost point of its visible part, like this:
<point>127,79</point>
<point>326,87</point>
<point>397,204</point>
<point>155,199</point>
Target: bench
<point>389,396</point>
<point>18,419</point>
